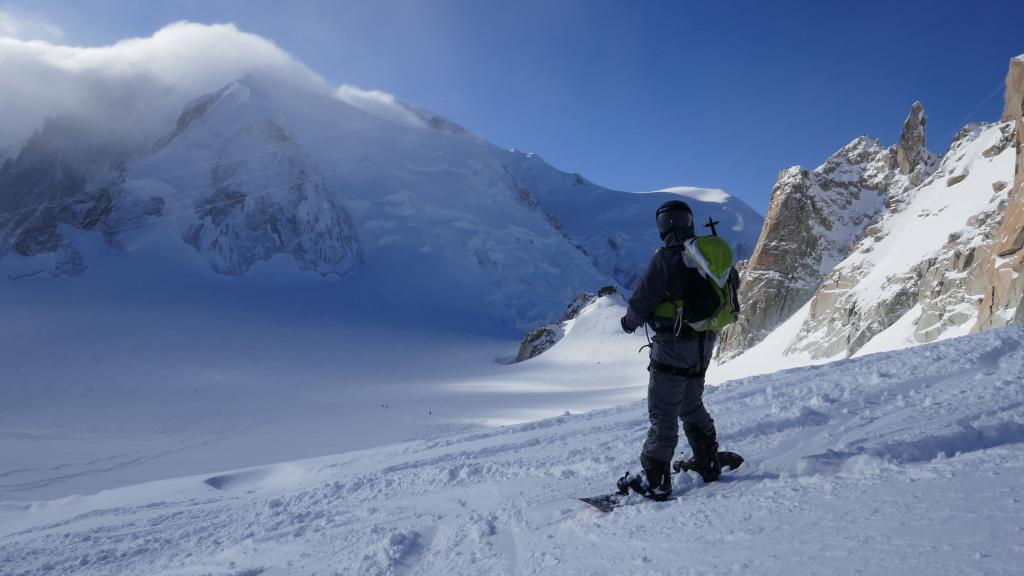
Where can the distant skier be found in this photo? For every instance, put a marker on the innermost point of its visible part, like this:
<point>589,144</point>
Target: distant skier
<point>679,357</point>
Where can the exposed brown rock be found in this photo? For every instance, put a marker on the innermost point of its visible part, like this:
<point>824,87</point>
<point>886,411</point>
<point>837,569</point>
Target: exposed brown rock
<point>1007,139</point>
<point>944,287</point>
<point>910,152</point>
<point>771,289</point>
<point>954,180</point>
<point>814,219</point>
<point>1004,273</point>
<point>981,265</point>
<point>1013,97</point>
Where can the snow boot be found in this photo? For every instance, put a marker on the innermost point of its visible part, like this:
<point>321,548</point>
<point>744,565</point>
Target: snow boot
<point>705,453</point>
<point>659,476</point>
<point>655,482</point>
<point>630,481</point>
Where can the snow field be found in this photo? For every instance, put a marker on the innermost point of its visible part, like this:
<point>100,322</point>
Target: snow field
<point>903,462</point>
<point>116,379</point>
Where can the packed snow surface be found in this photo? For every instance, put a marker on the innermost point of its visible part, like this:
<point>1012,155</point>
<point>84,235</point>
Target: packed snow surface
<point>907,462</point>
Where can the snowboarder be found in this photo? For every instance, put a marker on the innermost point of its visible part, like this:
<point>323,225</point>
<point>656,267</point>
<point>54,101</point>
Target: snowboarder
<point>679,358</point>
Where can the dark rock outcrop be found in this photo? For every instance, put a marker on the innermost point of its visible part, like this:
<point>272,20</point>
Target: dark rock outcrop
<point>911,151</point>
<point>541,339</point>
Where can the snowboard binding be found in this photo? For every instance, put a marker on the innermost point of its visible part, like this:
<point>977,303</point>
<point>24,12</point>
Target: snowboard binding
<point>638,483</point>
<point>726,461</point>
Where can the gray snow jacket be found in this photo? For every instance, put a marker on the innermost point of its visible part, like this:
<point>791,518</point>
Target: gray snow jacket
<point>668,277</point>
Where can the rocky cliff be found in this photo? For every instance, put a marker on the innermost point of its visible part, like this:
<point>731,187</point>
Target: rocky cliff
<point>66,182</point>
<point>944,258</point>
<point>1013,97</point>
<point>1004,269</point>
<point>937,290</point>
<point>814,218</point>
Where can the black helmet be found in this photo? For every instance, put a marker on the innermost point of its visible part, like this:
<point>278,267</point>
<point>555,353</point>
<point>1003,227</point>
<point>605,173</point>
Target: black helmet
<point>675,215</point>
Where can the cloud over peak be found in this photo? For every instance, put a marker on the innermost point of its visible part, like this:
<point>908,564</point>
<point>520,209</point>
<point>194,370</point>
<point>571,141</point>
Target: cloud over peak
<point>381,104</point>
<point>136,87</point>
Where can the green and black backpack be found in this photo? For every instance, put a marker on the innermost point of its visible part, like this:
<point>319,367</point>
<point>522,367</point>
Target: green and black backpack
<point>710,305</point>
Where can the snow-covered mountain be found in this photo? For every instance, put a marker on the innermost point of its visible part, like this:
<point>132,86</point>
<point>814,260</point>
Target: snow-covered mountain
<point>262,170</point>
<point>929,252</point>
<point>249,206</point>
<point>813,221</point>
<point>616,228</point>
<point>280,273</point>
<point>903,462</point>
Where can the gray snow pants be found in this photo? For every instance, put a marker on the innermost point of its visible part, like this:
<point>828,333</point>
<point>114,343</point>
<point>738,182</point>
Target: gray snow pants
<point>672,398</point>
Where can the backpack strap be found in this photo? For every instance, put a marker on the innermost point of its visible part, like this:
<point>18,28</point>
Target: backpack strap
<point>668,309</point>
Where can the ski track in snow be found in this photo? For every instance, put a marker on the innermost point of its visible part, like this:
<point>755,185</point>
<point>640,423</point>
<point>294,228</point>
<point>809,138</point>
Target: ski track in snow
<point>906,462</point>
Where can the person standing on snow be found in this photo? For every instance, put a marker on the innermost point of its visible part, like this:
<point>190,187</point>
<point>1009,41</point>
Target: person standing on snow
<point>680,356</point>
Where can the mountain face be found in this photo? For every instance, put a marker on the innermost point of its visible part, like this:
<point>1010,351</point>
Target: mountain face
<point>941,258</point>
<point>617,230</point>
<point>260,174</point>
<point>1004,272</point>
<point>923,259</point>
<point>257,206</point>
<point>66,177</point>
<point>1013,96</point>
<point>814,219</point>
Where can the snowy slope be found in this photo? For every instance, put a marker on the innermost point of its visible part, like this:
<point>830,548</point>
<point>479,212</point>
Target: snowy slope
<point>904,462</point>
<point>112,379</point>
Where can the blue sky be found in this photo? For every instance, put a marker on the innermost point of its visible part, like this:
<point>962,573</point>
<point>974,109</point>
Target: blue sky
<point>633,95</point>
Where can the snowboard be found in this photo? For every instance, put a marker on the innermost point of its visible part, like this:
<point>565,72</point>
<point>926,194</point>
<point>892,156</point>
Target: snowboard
<point>609,502</point>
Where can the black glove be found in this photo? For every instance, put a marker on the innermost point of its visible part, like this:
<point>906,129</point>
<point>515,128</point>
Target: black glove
<point>625,326</point>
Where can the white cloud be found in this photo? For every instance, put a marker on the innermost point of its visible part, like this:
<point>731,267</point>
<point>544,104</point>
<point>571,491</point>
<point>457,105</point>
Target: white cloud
<point>136,85</point>
<point>380,104</point>
<point>27,28</point>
